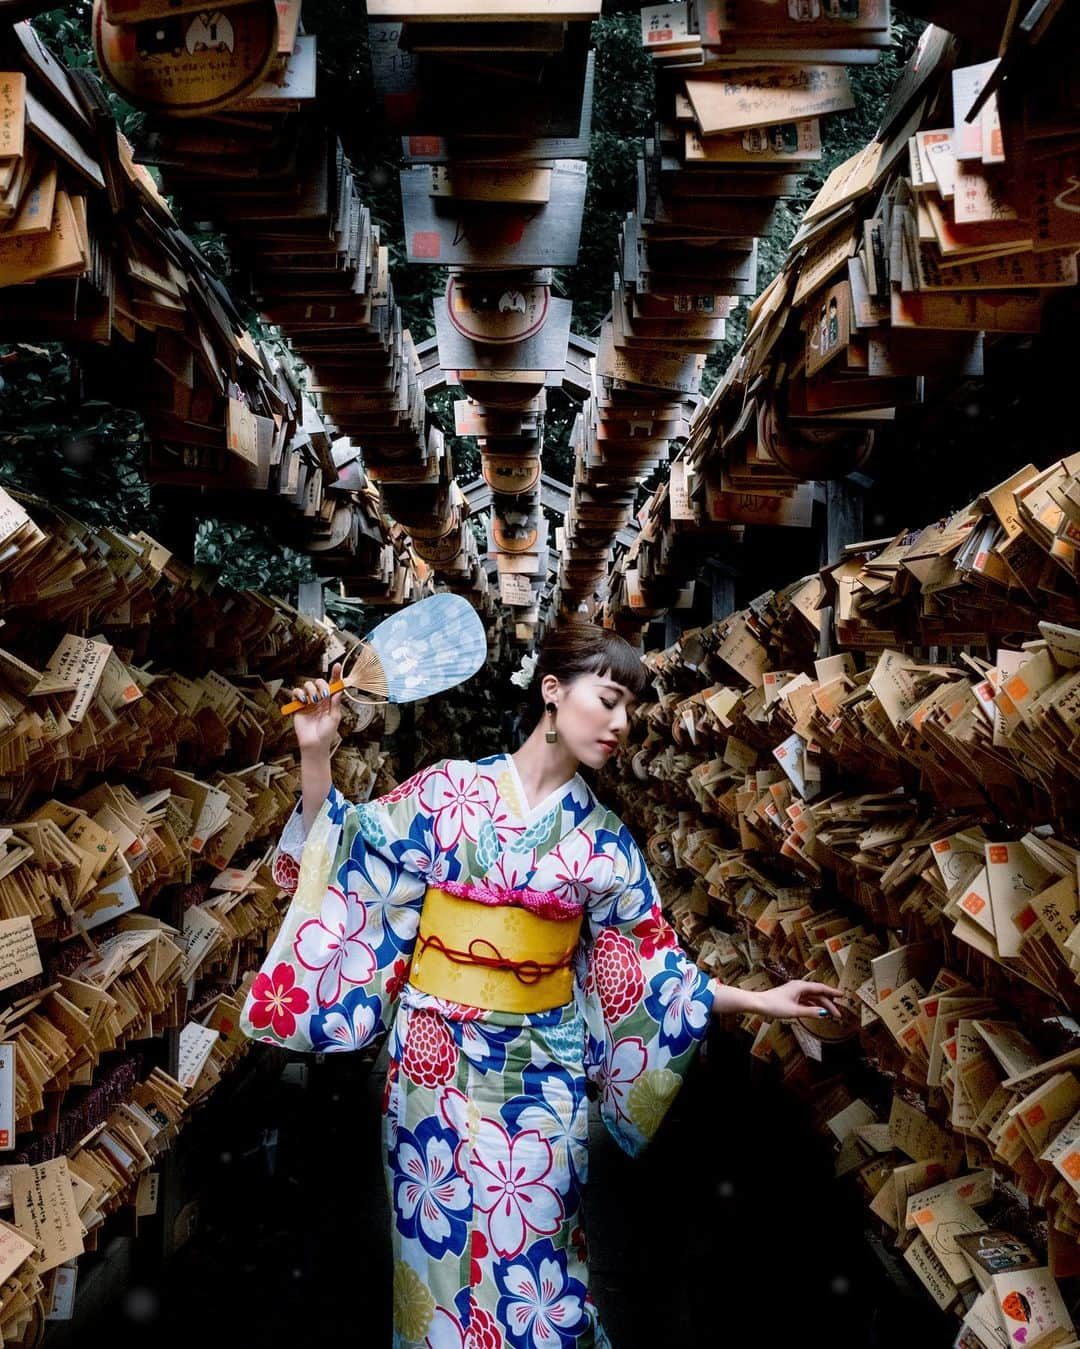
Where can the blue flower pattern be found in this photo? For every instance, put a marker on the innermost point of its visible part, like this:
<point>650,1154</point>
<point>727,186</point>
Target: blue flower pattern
<point>679,1004</point>
<point>541,1305</point>
<point>346,1025</point>
<point>432,1203</point>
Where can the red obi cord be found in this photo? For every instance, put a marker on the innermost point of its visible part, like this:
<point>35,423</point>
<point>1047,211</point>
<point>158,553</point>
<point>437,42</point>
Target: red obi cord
<point>527,971</point>
<point>543,903</point>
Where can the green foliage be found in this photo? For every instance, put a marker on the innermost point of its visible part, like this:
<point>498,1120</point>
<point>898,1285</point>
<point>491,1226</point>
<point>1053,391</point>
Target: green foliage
<point>464,450</point>
<point>82,454</point>
<point>67,32</point>
<point>622,115</point>
<point>245,558</point>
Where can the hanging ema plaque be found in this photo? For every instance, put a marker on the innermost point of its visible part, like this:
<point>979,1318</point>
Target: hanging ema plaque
<point>188,65</point>
<point>499,308</point>
<point>511,474</point>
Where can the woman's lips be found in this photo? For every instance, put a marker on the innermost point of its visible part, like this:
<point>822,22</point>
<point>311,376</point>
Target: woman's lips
<point>610,745</point>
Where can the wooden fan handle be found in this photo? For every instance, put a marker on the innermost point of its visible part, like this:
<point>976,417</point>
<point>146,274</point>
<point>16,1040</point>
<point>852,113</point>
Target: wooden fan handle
<point>295,706</point>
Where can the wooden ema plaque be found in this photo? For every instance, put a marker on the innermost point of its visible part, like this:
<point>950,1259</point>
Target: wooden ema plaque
<point>544,350</point>
<point>499,308</point>
<point>188,65</point>
<point>340,528</point>
<point>440,552</point>
<point>484,11</point>
<point>515,392</point>
<point>136,11</point>
<point>511,474</point>
<point>437,519</point>
<point>513,533</point>
<point>471,234</point>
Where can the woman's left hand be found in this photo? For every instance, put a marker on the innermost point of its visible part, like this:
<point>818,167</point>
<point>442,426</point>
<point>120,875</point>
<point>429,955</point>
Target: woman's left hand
<point>799,997</point>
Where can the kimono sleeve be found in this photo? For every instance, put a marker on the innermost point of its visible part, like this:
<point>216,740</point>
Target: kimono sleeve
<point>342,953</point>
<point>647,1005</point>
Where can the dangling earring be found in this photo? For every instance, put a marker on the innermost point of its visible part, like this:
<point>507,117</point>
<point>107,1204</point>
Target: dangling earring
<point>551,734</point>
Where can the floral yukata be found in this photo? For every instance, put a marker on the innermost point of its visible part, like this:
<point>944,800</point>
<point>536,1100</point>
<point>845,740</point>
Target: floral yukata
<point>485,1113</point>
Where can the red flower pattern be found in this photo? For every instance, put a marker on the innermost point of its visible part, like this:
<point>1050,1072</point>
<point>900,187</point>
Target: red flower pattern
<point>276,1002</point>
<point>616,974</point>
<point>406,788</point>
<point>430,1056</point>
<point>483,1331</point>
<point>478,1252</point>
<point>399,976</point>
<point>286,872</point>
<point>655,933</point>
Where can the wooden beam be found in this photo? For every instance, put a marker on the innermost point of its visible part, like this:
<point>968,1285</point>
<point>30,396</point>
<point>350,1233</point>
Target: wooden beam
<point>843,517</point>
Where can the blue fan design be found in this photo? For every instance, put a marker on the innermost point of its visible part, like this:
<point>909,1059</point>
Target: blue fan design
<point>430,646</point>
<point>422,650</point>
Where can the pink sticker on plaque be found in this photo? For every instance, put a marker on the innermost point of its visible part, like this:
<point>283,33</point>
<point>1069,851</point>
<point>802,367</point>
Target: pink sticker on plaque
<point>425,244</point>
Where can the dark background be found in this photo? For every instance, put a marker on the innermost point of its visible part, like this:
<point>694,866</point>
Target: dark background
<point>729,1230</point>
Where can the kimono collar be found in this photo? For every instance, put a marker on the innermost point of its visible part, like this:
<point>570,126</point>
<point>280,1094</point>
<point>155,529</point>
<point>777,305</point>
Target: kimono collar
<point>575,797</point>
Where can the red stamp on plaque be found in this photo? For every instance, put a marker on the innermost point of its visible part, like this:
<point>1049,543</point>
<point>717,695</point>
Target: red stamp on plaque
<point>425,244</point>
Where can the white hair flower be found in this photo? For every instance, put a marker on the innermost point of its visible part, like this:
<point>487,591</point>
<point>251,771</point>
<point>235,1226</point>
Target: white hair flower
<point>523,677</point>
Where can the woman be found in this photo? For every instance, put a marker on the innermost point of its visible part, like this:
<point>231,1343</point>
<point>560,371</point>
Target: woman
<point>541,960</point>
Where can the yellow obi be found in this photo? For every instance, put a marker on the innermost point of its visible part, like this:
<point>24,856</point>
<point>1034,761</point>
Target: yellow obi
<point>501,957</point>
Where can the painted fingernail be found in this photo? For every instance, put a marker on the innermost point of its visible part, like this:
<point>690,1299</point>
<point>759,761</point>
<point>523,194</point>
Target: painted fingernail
<point>823,1011</point>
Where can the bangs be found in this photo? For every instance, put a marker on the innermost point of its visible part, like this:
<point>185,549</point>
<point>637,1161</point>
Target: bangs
<point>575,648</point>
<point>620,663</point>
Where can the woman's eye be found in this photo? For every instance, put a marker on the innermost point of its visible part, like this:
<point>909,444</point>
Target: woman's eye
<point>607,703</point>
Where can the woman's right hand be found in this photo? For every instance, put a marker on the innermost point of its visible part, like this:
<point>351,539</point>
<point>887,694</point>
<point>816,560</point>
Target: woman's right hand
<point>317,729</point>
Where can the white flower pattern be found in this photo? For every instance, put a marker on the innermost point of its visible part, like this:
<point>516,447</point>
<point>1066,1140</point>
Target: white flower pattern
<point>349,1031</point>
<point>564,1126</point>
<point>430,1187</point>
<point>392,906</point>
<point>510,1185</point>
<point>574,870</point>
<point>458,801</point>
<point>331,944</point>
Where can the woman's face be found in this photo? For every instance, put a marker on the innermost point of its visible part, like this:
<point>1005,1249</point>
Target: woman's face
<point>592,717</point>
